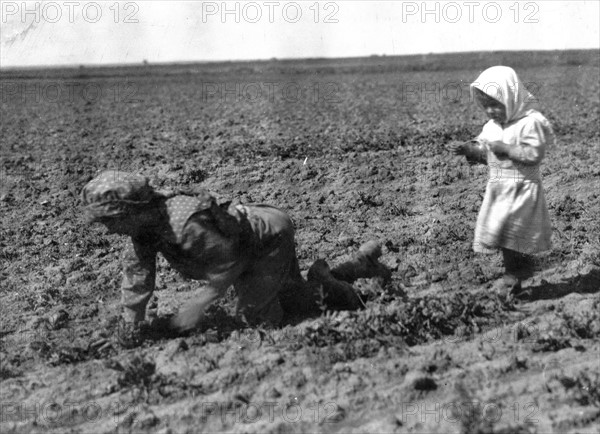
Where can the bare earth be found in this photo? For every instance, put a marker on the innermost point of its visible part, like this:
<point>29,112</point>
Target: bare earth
<point>353,150</point>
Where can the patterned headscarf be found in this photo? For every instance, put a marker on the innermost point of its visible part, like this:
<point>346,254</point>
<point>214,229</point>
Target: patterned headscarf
<point>502,84</point>
<point>114,194</point>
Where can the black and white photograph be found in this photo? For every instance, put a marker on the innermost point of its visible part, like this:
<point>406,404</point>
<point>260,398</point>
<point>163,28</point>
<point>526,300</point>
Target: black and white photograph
<point>300,216</point>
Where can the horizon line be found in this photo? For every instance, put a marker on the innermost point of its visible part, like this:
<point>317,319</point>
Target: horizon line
<point>272,59</point>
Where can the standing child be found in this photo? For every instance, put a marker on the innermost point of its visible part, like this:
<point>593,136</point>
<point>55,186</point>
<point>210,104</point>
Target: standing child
<point>514,215</point>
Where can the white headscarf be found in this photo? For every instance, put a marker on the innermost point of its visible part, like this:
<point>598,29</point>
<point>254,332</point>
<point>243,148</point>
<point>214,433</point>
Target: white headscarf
<point>502,84</point>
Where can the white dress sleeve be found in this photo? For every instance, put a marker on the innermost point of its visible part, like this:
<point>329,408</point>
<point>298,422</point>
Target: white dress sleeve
<point>530,147</point>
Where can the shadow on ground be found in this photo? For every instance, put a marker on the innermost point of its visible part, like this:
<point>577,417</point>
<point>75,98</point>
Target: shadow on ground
<point>588,282</point>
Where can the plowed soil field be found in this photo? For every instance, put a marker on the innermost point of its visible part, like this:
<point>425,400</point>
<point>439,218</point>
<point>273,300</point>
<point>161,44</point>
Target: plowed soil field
<point>353,149</point>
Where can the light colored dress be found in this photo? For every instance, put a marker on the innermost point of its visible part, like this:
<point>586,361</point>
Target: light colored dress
<point>514,214</point>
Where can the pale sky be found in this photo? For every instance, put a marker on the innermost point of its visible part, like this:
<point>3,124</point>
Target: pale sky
<point>85,32</point>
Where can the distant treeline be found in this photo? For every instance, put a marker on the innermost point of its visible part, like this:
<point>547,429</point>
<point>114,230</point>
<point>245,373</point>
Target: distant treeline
<point>371,64</point>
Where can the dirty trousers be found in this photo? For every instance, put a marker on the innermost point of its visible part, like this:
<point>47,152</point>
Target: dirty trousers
<point>266,278</point>
<point>273,288</point>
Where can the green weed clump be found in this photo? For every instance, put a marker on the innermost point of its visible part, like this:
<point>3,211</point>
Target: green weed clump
<point>584,387</point>
<point>570,328</point>
<point>137,371</point>
<point>411,322</point>
<point>587,385</point>
<point>584,324</point>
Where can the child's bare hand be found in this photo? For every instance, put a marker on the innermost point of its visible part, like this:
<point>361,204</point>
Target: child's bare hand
<point>192,315</point>
<point>457,148</point>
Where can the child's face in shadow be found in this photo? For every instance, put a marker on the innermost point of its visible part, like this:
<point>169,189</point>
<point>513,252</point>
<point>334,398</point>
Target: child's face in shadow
<point>122,226</point>
<point>493,108</point>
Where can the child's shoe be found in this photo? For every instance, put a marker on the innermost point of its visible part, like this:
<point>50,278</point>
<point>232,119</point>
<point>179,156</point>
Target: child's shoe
<point>506,284</point>
<point>364,265</point>
<point>318,271</point>
<point>510,286</point>
<point>371,251</point>
<point>519,293</point>
<point>339,295</point>
<point>512,283</point>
